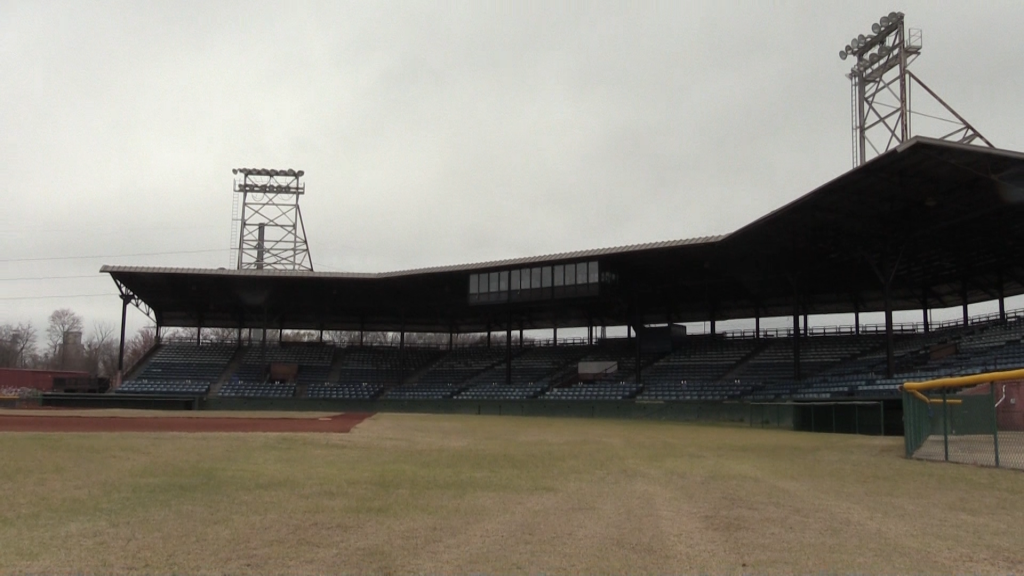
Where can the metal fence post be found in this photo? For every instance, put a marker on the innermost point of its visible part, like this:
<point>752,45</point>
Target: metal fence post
<point>945,426</point>
<point>995,420</point>
<point>881,414</point>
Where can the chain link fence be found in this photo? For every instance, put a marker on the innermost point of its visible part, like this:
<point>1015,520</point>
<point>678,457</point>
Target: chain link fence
<point>981,424</point>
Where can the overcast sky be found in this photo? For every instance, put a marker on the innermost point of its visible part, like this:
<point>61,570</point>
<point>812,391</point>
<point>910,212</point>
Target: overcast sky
<point>435,133</point>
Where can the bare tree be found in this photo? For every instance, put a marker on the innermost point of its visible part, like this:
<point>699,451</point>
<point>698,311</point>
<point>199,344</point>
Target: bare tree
<point>301,336</point>
<point>223,335</point>
<point>138,345</point>
<point>25,352</point>
<point>62,322</point>
<point>100,358</point>
<point>9,341</point>
<point>17,345</point>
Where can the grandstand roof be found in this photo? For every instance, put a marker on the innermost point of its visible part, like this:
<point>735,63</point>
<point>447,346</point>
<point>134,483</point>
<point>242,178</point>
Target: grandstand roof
<point>934,221</point>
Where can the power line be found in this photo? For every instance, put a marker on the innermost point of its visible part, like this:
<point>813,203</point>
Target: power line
<point>56,297</point>
<point>113,255</point>
<point>97,275</point>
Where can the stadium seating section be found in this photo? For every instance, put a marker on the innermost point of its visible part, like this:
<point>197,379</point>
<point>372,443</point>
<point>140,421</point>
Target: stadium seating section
<point>600,391</point>
<point>175,387</point>
<point>180,362</point>
<point>257,390</point>
<point>330,391</point>
<point>700,368</point>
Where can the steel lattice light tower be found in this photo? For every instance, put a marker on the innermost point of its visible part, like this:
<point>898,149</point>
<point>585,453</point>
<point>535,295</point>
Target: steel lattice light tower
<point>881,82</point>
<point>271,234</point>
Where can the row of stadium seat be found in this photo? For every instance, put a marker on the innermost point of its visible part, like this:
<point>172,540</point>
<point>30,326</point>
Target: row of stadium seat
<point>704,368</point>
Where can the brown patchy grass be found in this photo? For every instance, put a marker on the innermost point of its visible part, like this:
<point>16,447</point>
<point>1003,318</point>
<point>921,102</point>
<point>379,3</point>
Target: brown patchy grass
<point>458,494</point>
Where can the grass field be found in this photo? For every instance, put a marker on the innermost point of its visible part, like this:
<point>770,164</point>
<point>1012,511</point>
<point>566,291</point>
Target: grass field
<point>457,494</point>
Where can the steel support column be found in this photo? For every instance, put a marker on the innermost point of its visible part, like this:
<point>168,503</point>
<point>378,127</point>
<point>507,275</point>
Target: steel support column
<point>125,299</point>
<point>401,354</point>
<point>508,352</point>
<point>1002,300</point>
<point>638,380</point>
<point>890,355</point>
<point>796,336</point>
<point>924,310</point>
<point>963,298</point>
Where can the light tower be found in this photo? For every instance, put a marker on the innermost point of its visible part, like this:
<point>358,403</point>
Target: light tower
<point>881,83</point>
<point>271,234</point>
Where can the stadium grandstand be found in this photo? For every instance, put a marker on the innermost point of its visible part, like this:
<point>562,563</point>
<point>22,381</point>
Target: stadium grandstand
<point>928,224</point>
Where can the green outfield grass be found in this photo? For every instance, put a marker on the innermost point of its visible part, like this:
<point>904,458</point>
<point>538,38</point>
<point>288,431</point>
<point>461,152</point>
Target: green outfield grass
<point>458,494</point>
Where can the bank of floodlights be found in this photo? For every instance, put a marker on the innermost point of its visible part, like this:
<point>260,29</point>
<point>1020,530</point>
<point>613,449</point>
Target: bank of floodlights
<point>881,82</point>
<point>874,49</point>
<point>267,228</point>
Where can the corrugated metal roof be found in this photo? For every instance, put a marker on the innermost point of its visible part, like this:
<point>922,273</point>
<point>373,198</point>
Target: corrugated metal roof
<point>562,256</point>
<point>108,269</point>
<point>577,255</point>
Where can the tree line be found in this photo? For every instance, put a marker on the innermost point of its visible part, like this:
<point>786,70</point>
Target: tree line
<point>63,345</point>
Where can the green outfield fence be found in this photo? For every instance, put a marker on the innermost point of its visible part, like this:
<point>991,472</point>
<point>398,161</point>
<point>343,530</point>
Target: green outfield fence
<point>870,417</point>
<point>958,420</point>
<point>873,418</point>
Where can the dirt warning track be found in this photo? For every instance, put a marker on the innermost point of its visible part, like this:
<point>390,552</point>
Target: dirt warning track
<point>337,423</point>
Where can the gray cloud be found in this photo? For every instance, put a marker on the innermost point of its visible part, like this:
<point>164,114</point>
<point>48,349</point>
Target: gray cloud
<point>434,133</point>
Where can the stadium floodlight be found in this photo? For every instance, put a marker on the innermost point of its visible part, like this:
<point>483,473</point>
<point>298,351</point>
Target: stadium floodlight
<point>881,82</point>
<point>300,173</point>
<point>268,232</point>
